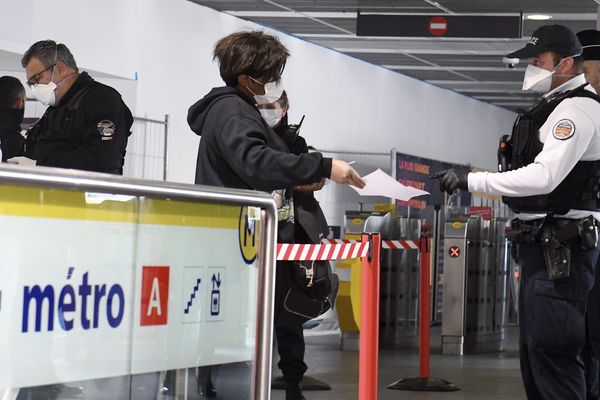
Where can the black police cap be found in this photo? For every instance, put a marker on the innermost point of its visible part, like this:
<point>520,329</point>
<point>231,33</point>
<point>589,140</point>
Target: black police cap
<point>556,38</point>
<point>590,40</point>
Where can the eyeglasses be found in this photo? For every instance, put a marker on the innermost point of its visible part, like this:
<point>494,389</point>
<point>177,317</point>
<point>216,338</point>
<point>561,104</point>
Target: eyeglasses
<point>34,80</point>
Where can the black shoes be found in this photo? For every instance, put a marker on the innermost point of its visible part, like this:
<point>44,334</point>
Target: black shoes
<point>293,391</point>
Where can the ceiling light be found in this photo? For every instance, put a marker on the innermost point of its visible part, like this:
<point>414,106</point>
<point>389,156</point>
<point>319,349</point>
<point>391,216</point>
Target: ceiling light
<point>538,17</point>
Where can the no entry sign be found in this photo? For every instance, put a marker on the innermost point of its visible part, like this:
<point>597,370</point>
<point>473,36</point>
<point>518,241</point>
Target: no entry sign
<point>431,25</point>
<point>438,26</point>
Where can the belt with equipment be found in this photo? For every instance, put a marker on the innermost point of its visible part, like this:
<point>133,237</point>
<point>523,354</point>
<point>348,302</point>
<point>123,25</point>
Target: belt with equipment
<point>556,235</point>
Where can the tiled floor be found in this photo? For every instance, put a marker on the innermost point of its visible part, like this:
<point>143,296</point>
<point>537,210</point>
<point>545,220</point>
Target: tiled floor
<point>493,376</point>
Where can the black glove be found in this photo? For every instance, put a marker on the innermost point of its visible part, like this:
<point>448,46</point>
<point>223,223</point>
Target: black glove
<point>451,179</point>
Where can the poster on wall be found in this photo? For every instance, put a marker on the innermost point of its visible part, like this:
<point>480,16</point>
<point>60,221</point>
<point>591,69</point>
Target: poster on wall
<point>415,171</point>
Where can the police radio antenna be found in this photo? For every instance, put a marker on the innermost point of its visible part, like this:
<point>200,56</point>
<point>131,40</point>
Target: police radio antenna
<point>299,125</point>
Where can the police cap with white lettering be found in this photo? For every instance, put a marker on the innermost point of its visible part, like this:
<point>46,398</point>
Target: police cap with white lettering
<point>590,40</point>
<point>556,38</point>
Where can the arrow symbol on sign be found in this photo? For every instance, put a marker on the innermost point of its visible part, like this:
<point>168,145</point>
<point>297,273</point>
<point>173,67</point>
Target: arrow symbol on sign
<point>216,280</point>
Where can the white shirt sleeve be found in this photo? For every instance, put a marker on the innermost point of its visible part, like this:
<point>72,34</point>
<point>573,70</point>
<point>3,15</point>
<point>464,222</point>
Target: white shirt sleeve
<point>552,164</point>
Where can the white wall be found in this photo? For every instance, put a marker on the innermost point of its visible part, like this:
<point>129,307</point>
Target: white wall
<point>349,104</point>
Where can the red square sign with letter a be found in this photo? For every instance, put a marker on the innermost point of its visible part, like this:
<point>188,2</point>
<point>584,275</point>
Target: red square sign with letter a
<point>155,296</point>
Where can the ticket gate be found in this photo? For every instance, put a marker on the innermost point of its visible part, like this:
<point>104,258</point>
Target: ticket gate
<point>399,282</point>
<point>475,285</point>
<point>399,290</point>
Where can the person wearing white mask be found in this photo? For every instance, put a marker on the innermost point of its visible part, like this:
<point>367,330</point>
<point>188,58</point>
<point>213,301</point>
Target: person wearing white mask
<point>238,149</point>
<point>552,185</point>
<point>86,125</point>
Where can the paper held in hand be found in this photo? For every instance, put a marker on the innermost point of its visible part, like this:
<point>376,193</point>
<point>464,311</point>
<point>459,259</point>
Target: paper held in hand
<point>378,183</point>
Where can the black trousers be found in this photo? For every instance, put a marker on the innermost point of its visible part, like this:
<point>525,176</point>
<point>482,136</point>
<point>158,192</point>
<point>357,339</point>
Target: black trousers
<point>289,334</point>
<point>591,350</point>
<point>290,346</point>
<point>552,319</point>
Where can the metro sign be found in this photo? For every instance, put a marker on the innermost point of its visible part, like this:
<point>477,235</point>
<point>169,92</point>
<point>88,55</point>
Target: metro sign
<point>155,296</point>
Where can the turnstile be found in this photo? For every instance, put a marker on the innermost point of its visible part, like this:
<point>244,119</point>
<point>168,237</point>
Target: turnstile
<point>399,290</point>
<point>475,285</point>
<point>399,284</point>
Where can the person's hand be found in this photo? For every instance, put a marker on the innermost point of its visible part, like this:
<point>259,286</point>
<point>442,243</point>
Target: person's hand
<point>342,172</point>
<point>20,160</point>
<point>311,187</point>
<point>451,179</point>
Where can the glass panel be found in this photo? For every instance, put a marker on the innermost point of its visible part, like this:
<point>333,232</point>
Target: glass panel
<point>107,296</point>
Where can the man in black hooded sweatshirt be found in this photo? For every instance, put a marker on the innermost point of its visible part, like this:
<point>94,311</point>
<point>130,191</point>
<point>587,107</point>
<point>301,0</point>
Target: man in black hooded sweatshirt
<point>239,150</point>
<point>12,107</point>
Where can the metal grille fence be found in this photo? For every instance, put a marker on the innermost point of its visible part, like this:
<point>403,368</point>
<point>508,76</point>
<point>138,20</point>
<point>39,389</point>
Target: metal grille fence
<point>146,155</point>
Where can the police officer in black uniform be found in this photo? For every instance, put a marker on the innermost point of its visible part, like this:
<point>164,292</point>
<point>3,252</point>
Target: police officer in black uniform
<point>12,108</point>
<point>550,179</point>
<point>590,42</point>
<point>86,124</point>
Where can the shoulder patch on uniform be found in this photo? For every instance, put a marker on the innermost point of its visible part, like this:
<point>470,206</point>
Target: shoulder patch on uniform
<point>564,129</point>
<point>106,129</point>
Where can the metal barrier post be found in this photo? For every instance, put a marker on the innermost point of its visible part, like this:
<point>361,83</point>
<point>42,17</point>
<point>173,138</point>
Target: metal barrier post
<point>369,319</point>
<point>266,288</point>
<point>424,382</point>
<point>166,142</point>
<point>424,301</point>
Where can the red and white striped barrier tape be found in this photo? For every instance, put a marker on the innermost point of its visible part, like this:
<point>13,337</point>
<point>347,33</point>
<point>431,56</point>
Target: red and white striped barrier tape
<point>339,251</point>
<point>385,244</point>
<point>336,249</point>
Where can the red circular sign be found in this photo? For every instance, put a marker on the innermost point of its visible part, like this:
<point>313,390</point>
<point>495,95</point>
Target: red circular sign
<point>454,251</point>
<point>438,26</point>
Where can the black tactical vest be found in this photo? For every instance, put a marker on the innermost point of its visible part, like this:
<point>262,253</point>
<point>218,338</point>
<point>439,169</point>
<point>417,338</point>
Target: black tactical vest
<point>580,190</point>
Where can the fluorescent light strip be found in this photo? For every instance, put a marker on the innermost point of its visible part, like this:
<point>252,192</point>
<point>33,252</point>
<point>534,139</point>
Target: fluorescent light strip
<point>453,67</point>
<point>422,51</point>
<point>416,39</point>
<point>538,17</point>
<point>489,83</point>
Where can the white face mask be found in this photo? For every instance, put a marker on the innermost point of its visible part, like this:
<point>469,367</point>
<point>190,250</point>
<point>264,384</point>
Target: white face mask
<point>272,116</point>
<point>44,93</point>
<point>539,80</point>
<point>273,92</point>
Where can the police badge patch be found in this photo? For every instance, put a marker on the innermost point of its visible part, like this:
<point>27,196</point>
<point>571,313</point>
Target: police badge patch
<point>564,129</point>
<point>106,129</point>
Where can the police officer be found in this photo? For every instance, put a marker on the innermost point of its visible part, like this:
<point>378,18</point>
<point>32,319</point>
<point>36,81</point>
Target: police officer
<point>552,186</point>
<point>86,125</point>
<point>590,41</point>
<point>12,108</point>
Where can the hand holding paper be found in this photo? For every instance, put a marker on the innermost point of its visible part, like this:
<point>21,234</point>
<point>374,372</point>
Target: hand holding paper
<point>379,183</point>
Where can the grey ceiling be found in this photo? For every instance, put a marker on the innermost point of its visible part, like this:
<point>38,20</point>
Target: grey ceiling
<point>473,67</point>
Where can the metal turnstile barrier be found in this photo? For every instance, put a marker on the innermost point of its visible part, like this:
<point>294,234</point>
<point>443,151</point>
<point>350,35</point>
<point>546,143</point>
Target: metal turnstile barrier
<point>399,294</point>
<point>475,285</point>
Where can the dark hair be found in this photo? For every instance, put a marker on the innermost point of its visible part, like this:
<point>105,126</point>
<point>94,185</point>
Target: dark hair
<point>49,53</point>
<point>283,101</point>
<point>577,60</point>
<point>11,90</point>
<point>255,54</point>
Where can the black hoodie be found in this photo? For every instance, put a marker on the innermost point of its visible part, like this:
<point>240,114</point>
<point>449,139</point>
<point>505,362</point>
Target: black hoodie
<point>239,150</point>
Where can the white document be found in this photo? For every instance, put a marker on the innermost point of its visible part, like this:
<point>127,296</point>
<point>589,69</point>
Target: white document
<point>379,183</point>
